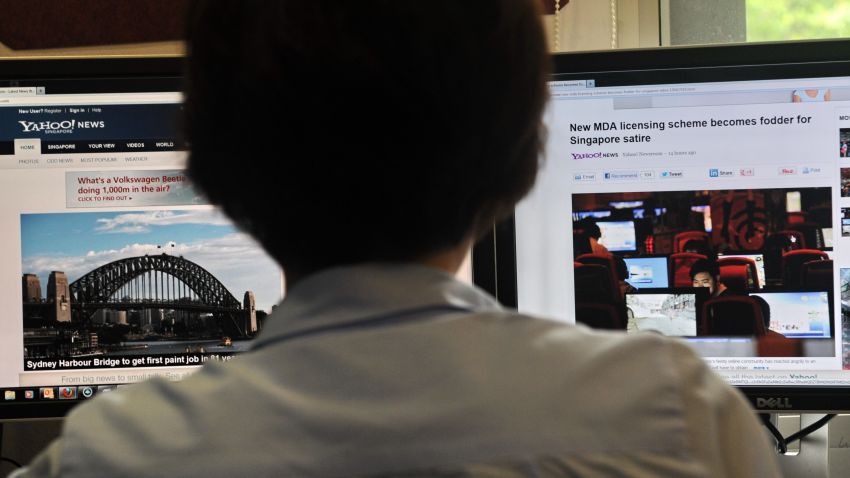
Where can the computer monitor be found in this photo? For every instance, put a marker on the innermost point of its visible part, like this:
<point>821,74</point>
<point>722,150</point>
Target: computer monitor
<point>711,134</point>
<point>579,215</point>
<point>799,314</point>
<point>618,236</point>
<point>669,312</point>
<point>625,204</point>
<point>640,213</point>
<point>647,272</point>
<point>826,232</point>
<point>115,268</point>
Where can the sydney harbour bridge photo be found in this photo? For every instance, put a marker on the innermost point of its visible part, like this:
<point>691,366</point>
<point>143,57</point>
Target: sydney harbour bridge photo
<point>128,296</point>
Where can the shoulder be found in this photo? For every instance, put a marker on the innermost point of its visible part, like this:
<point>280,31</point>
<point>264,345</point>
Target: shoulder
<point>158,424</point>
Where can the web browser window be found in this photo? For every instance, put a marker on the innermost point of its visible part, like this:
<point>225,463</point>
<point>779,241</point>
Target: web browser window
<point>757,170</point>
<point>117,269</point>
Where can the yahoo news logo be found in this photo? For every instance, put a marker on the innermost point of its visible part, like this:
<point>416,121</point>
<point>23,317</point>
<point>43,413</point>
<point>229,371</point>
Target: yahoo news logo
<point>66,126</point>
<point>596,155</point>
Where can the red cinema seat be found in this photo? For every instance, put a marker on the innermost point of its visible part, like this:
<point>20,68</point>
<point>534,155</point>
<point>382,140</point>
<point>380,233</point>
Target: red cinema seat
<point>593,283</point>
<point>680,268</point>
<point>752,275</point>
<point>734,277</point>
<point>817,275</point>
<point>792,265</point>
<point>600,316</point>
<point>730,316</point>
<point>682,238</point>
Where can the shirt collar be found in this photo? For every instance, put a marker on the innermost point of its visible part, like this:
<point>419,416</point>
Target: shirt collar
<point>344,295</point>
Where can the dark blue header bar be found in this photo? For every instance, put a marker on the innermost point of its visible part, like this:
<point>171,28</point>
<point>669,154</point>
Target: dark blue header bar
<point>66,123</point>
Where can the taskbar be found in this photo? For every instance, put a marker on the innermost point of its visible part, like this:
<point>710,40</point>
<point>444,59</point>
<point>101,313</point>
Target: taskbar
<point>64,393</point>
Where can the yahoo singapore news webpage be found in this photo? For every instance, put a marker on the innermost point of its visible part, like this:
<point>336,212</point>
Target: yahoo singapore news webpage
<point>113,267</point>
<point>746,175</point>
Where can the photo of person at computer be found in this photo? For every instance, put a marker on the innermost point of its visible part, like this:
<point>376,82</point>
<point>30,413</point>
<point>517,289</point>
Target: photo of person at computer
<point>845,182</point>
<point>811,95</point>
<point>843,142</point>
<point>731,256</point>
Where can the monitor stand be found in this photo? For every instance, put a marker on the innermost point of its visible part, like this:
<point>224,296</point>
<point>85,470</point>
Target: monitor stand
<point>808,457</point>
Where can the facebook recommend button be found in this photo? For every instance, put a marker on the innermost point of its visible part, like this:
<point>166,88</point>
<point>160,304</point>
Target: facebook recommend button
<point>621,175</point>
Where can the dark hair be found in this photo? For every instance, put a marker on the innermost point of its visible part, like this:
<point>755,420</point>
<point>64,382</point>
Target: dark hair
<point>589,228</point>
<point>622,267</point>
<point>703,265</point>
<point>396,128</point>
<point>765,310</point>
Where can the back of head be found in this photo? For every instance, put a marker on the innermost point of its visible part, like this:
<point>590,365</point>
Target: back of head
<point>339,132</point>
<point>765,309</point>
<point>589,227</point>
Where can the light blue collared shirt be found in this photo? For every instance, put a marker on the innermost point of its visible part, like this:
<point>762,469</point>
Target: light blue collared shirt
<point>401,370</point>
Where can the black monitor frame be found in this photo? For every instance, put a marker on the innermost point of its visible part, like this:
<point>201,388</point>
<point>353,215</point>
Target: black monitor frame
<point>494,258</point>
<point>84,75</point>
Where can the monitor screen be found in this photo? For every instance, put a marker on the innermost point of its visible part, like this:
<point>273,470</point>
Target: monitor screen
<point>799,314</point>
<point>618,236</point>
<point>669,313</point>
<point>647,272</point>
<point>626,204</point>
<point>116,268</point>
<point>826,232</point>
<point>714,136</point>
<point>792,201</point>
<point>579,215</point>
<point>640,213</point>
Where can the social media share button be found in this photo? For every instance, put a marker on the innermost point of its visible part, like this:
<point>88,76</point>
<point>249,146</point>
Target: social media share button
<point>671,174</point>
<point>585,176</point>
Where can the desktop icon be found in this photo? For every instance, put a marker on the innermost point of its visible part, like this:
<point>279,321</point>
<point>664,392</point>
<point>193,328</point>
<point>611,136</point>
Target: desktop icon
<point>9,395</point>
<point>86,392</point>
<point>67,393</point>
<point>47,393</point>
<point>713,173</point>
<point>29,394</point>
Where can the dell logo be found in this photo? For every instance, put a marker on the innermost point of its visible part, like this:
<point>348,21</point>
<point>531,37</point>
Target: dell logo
<point>773,402</point>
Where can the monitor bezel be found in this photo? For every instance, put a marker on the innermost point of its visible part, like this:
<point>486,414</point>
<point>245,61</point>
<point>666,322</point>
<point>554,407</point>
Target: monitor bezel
<point>75,75</point>
<point>494,260</point>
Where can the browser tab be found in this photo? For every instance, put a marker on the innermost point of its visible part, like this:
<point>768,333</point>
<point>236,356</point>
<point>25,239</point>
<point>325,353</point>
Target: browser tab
<point>572,84</point>
<point>18,91</point>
